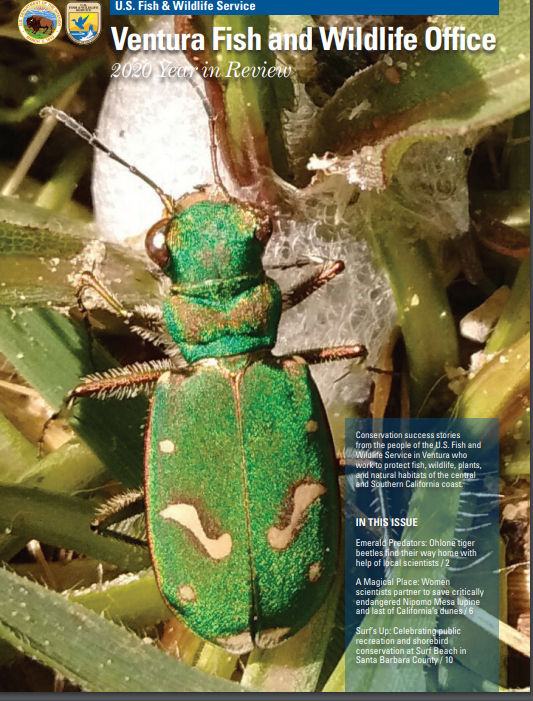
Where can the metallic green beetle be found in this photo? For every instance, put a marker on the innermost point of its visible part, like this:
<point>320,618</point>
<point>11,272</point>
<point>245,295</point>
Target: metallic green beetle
<point>241,487</point>
<point>240,481</point>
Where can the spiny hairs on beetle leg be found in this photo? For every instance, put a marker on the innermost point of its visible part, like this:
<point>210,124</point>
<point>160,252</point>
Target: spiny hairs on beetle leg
<point>149,313</point>
<point>127,390</point>
<point>161,339</point>
<point>120,501</point>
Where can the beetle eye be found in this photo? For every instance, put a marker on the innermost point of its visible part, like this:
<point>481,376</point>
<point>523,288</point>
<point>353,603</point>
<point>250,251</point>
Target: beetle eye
<point>156,244</point>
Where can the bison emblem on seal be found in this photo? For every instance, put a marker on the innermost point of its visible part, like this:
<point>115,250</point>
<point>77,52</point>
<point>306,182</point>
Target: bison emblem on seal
<point>37,22</point>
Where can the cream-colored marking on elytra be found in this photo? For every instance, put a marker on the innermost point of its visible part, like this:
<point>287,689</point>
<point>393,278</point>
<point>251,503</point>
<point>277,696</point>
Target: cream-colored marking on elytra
<point>237,644</point>
<point>167,446</point>
<point>315,572</point>
<point>165,378</point>
<point>304,495</point>
<point>186,593</point>
<point>208,362</point>
<point>271,637</point>
<point>311,426</point>
<point>187,516</point>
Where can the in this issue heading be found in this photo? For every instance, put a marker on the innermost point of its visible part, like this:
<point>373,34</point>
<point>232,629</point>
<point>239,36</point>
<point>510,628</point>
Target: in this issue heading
<point>353,39</point>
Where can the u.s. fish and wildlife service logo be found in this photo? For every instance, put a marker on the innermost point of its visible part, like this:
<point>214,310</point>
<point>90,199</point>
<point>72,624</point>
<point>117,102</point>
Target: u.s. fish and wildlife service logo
<point>40,22</point>
<point>83,21</point>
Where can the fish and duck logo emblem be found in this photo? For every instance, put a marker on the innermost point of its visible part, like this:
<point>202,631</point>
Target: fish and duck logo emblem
<point>40,22</point>
<point>83,22</point>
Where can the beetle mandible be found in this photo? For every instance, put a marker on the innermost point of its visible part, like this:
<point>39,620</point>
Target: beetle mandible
<point>241,490</point>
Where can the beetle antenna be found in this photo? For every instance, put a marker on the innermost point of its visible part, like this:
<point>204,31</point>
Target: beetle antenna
<point>93,140</point>
<point>212,121</point>
<point>214,151</point>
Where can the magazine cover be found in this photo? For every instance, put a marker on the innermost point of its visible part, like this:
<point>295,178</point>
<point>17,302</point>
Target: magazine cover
<point>264,347</point>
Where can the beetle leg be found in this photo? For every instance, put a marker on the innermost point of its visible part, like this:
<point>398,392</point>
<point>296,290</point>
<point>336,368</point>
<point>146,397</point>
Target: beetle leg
<point>314,356</point>
<point>121,383</point>
<point>145,321</point>
<point>340,459</point>
<point>120,508</point>
<point>329,270</point>
<point>88,280</point>
<point>157,334</point>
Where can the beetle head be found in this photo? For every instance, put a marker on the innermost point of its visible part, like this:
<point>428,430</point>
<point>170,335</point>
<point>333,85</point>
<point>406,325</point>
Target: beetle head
<point>208,236</point>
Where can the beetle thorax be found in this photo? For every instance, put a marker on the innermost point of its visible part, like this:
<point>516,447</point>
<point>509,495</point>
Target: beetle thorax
<point>221,303</point>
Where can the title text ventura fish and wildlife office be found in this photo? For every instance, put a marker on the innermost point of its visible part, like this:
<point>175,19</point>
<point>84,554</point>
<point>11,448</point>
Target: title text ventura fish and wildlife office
<point>351,38</point>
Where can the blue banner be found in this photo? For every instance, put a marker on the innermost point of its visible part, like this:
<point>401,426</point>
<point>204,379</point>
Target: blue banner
<point>275,7</point>
<point>422,554</point>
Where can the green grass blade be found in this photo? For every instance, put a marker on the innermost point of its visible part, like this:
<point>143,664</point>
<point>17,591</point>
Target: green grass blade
<point>50,92</point>
<point>87,649</point>
<point>38,265</point>
<point>501,389</point>
<point>435,93</point>
<point>51,353</point>
<point>336,683</point>
<point>515,319</point>
<point>20,465</point>
<point>63,521</point>
<point>119,600</point>
<point>419,288</point>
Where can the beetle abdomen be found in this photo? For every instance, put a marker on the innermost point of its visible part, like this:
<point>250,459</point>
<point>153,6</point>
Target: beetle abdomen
<point>242,502</point>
